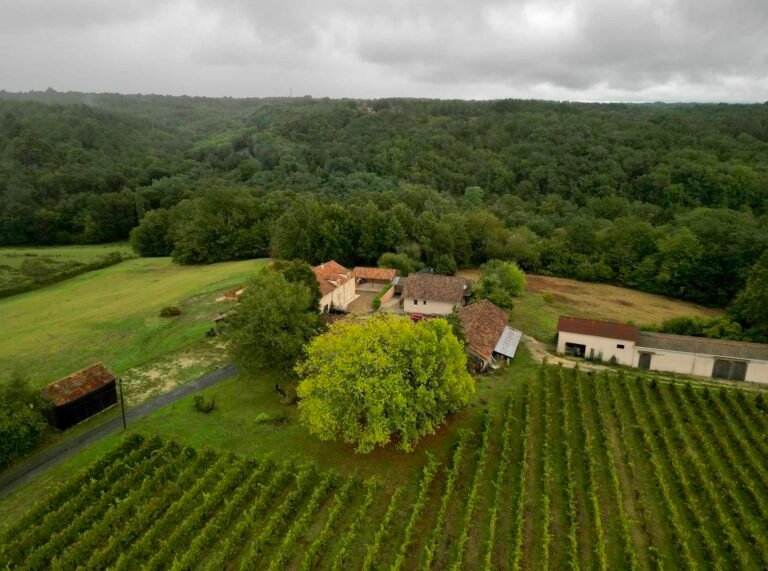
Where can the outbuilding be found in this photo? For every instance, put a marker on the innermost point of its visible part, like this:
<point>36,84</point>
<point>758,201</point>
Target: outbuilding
<point>373,279</point>
<point>80,395</point>
<point>698,356</point>
<point>430,294</point>
<point>489,338</point>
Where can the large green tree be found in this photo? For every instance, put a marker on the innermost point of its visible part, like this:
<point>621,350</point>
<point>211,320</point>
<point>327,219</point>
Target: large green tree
<point>270,326</point>
<point>368,383</point>
<point>297,271</point>
<point>500,282</point>
<point>150,238</point>
<point>751,305</point>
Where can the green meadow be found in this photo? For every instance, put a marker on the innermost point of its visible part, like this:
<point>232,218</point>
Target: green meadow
<point>111,315</point>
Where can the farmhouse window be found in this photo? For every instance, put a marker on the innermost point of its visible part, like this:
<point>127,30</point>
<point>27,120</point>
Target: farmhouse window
<point>424,302</point>
<point>619,346</point>
<point>415,302</point>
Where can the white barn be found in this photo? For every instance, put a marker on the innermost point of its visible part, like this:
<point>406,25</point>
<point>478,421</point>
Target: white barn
<point>626,345</point>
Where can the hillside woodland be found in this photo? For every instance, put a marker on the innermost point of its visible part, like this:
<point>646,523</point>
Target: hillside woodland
<point>669,199</point>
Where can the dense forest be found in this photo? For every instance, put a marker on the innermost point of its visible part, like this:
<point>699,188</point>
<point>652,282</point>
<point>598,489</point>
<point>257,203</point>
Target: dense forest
<point>670,199</point>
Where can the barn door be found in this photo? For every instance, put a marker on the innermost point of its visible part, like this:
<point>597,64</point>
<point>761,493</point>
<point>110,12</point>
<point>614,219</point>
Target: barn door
<point>722,369</point>
<point>645,361</point>
<point>739,370</point>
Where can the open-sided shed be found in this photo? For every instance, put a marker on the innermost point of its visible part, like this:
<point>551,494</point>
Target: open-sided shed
<point>80,395</point>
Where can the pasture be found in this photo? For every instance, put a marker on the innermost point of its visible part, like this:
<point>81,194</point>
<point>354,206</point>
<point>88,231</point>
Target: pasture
<point>20,266</point>
<point>562,470</point>
<point>111,315</point>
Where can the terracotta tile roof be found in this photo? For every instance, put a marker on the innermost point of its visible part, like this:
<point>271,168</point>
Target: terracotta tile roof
<point>432,287</point>
<point>597,328</point>
<point>78,384</point>
<point>331,275</point>
<point>484,324</point>
<point>382,274</point>
<point>702,345</point>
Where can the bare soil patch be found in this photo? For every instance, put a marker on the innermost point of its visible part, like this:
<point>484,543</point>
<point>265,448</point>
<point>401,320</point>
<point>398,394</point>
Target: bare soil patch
<point>603,301</point>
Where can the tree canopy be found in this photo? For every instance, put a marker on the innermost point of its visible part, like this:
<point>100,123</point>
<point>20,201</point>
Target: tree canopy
<point>371,382</point>
<point>751,305</point>
<point>22,419</point>
<point>500,282</point>
<point>273,321</point>
<point>668,199</point>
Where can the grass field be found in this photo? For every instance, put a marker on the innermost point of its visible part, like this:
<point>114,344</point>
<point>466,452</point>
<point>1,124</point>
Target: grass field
<point>546,298</point>
<point>564,468</point>
<point>111,315</point>
<point>57,259</point>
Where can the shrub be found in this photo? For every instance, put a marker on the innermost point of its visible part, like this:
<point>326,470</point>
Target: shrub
<point>36,269</point>
<point>400,262</point>
<point>22,420</point>
<point>203,405</point>
<point>377,299</point>
<point>170,311</point>
<point>549,298</point>
<point>274,419</point>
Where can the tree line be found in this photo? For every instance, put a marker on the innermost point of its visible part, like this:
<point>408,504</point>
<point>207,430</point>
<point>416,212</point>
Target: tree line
<point>669,199</point>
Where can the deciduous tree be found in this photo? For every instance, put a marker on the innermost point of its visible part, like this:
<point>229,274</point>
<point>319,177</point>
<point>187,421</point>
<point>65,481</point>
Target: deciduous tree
<point>500,283</point>
<point>273,321</point>
<point>371,382</point>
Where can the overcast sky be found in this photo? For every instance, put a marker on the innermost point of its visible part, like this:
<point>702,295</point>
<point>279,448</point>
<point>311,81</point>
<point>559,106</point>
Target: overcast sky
<point>629,50</point>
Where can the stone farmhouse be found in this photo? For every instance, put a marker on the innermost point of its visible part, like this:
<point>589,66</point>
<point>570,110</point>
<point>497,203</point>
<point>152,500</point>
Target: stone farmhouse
<point>430,294</point>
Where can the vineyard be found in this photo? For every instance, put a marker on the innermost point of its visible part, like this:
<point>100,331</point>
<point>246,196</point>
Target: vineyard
<point>575,471</point>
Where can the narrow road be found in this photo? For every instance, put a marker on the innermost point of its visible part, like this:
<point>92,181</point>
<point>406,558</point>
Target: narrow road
<point>39,463</point>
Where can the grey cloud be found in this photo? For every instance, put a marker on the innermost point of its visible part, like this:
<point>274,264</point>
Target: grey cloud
<point>42,14</point>
<point>568,49</point>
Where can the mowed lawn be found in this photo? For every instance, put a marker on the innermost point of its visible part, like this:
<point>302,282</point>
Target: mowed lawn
<point>111,315</point>
<point>546,298</point>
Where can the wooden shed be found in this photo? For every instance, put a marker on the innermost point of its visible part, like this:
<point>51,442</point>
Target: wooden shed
<point>80,395</point>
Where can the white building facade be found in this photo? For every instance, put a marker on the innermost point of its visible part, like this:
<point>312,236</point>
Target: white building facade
<point>625,345</point>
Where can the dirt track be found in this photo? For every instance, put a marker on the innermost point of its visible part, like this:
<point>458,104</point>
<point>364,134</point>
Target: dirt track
<point>540,353</point>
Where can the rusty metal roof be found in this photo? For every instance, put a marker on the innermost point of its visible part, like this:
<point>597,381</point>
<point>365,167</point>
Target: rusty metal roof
<point>597,328</point>
<point>78,384</point>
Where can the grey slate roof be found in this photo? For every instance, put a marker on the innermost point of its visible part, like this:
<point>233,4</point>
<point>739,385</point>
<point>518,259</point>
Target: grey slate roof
<point>701,345</point>
<point>508,342</point>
